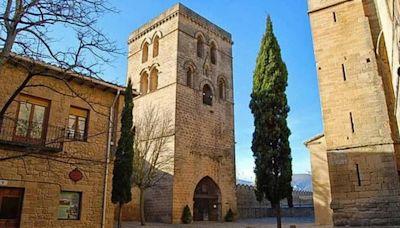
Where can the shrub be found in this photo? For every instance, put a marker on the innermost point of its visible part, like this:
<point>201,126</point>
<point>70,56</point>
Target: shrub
<point>186,215</point>
<point>229,216</point>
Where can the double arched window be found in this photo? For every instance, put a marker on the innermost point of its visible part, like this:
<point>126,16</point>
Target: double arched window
<point>207,95</point>
<point>149,84</point>
<point>213,53</point>
<point>146,45</point>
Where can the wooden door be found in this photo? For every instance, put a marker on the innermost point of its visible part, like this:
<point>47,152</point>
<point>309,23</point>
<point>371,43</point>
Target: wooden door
<point>10,207</point>
<point>213,209</point>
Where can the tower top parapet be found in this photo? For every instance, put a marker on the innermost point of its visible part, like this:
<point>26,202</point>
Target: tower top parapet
<point>179,10</point>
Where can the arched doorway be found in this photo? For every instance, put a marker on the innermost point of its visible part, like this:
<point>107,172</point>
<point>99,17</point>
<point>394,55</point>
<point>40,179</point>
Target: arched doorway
<point>207,201</point>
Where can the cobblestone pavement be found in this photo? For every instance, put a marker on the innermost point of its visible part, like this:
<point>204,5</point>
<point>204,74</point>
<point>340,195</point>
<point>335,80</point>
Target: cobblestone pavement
<point>300,222</point>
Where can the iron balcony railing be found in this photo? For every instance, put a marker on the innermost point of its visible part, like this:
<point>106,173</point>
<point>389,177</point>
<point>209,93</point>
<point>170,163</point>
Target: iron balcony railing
<point>29,135</point>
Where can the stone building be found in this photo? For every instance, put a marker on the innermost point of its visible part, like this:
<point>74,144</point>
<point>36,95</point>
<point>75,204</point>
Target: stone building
<point>182,64</point>
<point>57,135</point>
<point>356,46</point>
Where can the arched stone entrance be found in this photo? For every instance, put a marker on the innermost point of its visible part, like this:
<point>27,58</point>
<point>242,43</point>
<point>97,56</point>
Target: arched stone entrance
<point>207,201</point>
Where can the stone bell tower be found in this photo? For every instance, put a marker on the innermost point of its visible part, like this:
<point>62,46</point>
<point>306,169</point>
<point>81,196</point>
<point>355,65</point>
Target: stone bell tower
<point>357,105</point>
<point>182,64</point>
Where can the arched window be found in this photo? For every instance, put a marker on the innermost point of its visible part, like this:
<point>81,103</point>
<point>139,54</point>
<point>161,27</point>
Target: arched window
<point>144,83</point>
<point>153,79</point>
<point>200,46</point>
<point>145,52</point>
<point>207,95</point>
<point>155,46</point>
<point>221,89</point>
<point>213,51</point>
<point>189,75</point>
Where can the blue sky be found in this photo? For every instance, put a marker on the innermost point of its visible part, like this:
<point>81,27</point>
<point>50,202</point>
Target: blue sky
<point>245,20</point>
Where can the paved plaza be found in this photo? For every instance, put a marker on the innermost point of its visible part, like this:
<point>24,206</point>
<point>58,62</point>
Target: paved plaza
<point>300,222</point>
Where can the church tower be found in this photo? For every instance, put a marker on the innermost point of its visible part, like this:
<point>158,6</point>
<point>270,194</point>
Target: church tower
<point>181,64</point>
<point>360,128</point>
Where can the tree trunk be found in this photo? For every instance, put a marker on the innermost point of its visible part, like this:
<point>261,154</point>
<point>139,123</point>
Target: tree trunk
<point>11,24</point>
<point>119,215</point>
<point>142,220</point>
<point>5,52</point>
<point>278,215</point>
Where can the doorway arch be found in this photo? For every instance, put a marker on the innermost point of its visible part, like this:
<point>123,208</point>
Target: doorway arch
<point>207,201</point>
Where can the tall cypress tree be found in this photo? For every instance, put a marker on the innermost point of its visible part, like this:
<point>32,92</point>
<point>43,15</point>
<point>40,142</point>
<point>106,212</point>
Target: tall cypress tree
<point>270,146</point>
<point>121,182</point>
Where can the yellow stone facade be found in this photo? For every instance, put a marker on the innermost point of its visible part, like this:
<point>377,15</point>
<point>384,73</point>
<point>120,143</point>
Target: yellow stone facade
<point>320,180</point>
<point>358,97</point>
<point>203,141</point>
<point>41,170</point>
<point>186,72</point>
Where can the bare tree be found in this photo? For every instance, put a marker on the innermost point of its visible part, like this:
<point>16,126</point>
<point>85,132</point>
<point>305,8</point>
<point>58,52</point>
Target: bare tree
<point>27,29</point>
<point>153,159</point>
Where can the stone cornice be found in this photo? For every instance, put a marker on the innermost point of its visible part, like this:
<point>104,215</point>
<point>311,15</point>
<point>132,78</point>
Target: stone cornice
<point>186,13</point>
<point>207,25</point>
<point>151,26</point>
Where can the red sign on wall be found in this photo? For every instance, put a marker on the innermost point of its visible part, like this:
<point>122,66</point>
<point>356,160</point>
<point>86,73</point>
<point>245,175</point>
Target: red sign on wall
<point>75,175</point>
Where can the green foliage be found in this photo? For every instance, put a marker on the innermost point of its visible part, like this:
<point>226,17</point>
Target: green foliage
<point>270,145</point>
<point>229,216</point>
<point>121,182</point>
<point>186,215</point>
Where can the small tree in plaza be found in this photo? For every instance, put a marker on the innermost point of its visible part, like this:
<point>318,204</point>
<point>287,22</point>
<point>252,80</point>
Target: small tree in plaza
<point>153,160</point>
<point>270,145</point>
<point>121,182</point>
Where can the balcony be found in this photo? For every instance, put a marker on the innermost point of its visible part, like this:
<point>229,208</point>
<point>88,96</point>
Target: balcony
<point>30,136</point>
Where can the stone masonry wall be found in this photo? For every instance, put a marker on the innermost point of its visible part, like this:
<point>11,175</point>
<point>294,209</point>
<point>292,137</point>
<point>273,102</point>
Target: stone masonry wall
<point>203,143</point>
<point>43,175</point>
<point>205,134</point>
<point>363,172</point>
<point>158,200</point>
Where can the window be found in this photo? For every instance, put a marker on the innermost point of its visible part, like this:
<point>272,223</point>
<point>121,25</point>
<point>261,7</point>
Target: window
<point>189,74</point>
<point>153,79</point>
<point>213,51</point>
<point>221,89</point>
<point>155,46</point>
<point>10,206</point>
<point>144,83</point>
<point>145,52</point>
<point>200,44</point>
<point>69,207</point>
<point>207,95</point>
<point>77,124</point>
<point>31,119</point>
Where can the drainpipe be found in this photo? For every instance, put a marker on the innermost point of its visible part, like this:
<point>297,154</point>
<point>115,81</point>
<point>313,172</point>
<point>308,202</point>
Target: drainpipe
<point>107,158</point>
